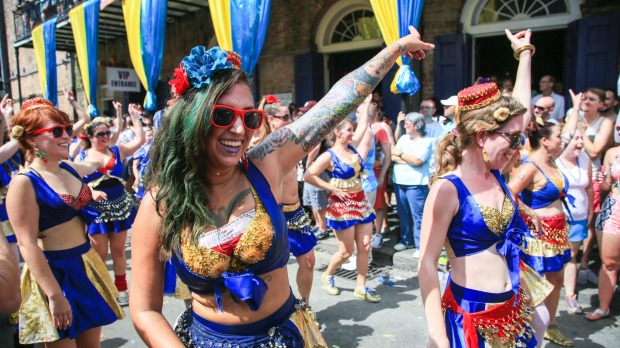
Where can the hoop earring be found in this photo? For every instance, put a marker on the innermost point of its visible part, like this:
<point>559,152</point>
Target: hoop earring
<point>40,154</point>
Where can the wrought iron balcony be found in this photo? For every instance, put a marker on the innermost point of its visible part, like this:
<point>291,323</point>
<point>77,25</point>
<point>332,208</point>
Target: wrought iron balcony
<point>28,14</point>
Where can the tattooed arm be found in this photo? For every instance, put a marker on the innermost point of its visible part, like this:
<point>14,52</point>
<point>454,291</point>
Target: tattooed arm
<point>293,142</point>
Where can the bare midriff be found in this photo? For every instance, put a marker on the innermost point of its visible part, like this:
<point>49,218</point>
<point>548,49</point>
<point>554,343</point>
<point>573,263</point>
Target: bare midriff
<point>65,236</point>
<point>485,271</point>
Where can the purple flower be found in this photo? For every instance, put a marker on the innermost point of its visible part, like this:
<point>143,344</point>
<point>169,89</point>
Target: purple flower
<point>201,64</point>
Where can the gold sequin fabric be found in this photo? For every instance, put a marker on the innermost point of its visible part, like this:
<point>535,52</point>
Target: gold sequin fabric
<point>251,248</point>
<point>551,242</point>
<point>506,332</point>
<point>35,320</point>
<point>498,221</point>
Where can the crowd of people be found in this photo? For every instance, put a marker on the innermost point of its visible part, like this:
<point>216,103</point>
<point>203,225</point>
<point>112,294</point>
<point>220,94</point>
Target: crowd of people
<point>512,189</point>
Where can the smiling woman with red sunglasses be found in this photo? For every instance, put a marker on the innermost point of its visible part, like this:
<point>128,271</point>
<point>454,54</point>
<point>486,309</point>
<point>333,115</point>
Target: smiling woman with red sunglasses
<point>67,291</point>
<point>115,206</point>
<point>219,220</point>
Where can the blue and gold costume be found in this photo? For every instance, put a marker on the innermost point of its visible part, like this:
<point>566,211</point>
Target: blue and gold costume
<point>549,250</point>
<point>230,259</point>
<point>80,272</point>
<point>342,214</point>
<point>300,235</point>
<point>473,317</point>
<point>117,213</point>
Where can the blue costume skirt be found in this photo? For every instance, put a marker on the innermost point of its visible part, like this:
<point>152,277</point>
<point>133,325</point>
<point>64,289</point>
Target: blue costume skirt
<point>301,238</point>
<point>6,225</point>
<point>290,326</point>
<point>353,210</point>
<point>513,325</point>
<point>116,214</point>
<point>87,285</point>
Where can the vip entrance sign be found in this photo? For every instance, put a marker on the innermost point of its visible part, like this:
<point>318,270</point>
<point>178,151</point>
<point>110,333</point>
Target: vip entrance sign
<point>123,80</point>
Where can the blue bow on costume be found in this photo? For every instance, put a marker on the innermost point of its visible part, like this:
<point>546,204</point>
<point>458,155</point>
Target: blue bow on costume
<point>246,287</point>
<point>508,246</point>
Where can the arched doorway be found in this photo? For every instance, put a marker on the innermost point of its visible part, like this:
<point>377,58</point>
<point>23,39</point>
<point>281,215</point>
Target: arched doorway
<point>486,20</point>
<point>347,36</point>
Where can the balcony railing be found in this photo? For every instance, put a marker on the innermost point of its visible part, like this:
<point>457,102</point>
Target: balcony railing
<point>29,14</point>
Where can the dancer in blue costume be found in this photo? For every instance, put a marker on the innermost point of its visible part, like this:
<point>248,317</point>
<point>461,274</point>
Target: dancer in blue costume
<point>66,290</point>
<point>219,220</point>
<point>543,187</point>
<point>470,211</point>
<point>300,232</point>
<point>348,211</point>
<point>115,206</point>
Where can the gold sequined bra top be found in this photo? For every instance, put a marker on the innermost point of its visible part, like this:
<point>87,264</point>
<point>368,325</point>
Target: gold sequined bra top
<point>233,247</point>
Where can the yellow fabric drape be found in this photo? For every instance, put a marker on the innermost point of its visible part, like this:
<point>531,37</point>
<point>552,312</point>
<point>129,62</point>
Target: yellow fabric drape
<point>76,16</point>
<point>132,14</point>
<point>386,13</point>
<point>220,15</point>
<point>39,53</point>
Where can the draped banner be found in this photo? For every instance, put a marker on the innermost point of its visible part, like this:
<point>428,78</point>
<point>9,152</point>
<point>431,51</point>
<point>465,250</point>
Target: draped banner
<point>145,21</point>
<point>394,18</point>
<point>246,34</point>
<point>44,42</point>
<point>85,25</point>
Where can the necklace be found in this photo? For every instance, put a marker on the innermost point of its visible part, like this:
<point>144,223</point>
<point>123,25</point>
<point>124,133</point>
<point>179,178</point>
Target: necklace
<point>568,171</point>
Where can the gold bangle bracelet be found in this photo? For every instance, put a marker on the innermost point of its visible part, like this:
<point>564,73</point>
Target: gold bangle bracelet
<point>528,47</point>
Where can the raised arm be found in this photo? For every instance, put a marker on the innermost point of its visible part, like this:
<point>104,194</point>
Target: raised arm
<point>83,117</point>
<point>129,148</point>
<point>6,108</point>
<point>362,122</point>
<point>118,109</point>
<point>571,121</point>
<point>297,139</point>
<point>8,150</point>
<point>523,83</point>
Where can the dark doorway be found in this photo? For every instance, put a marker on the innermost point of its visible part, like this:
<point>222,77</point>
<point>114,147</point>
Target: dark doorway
<point>494,56</point>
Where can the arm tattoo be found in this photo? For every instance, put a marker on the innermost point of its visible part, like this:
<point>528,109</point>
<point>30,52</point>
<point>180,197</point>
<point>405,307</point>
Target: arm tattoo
<point>343,98</point>
<point>274,140</point>
<point>222,214</point>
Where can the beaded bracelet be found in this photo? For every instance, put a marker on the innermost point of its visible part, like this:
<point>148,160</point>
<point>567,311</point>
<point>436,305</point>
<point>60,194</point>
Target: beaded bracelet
<point>528,47</point>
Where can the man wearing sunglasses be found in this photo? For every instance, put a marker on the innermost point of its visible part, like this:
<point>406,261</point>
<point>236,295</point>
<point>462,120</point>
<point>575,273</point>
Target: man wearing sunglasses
<point>543,108</point>
<point>300,231</point>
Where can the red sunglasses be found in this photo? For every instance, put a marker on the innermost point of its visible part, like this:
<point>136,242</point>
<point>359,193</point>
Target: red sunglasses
<point>223,116</point>
<point>56,130</point>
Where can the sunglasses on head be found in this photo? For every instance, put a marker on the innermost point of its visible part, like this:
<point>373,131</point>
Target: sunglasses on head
<point>103,134</point>
<point>224,116</point>
<point>56,130</point>
<point>515,138</point>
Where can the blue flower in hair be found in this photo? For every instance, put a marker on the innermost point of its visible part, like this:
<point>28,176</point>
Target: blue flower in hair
<point>201,64</point>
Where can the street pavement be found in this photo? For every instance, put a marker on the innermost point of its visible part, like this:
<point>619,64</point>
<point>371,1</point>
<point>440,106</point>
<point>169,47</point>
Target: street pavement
<point>397,321</point>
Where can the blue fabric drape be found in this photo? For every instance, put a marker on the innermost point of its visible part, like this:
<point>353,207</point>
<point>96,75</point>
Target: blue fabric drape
<point>153,23</point>
<point>49,37</point>
<point>249,28</point>
<point>91,19</point>
<point>409,13</point>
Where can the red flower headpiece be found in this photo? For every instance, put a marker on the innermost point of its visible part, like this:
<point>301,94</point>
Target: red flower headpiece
<point>271,99</point>
<point>36,103</point>
<point>180,83</point>
<point>234,58</point>
<point>477,97</point>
